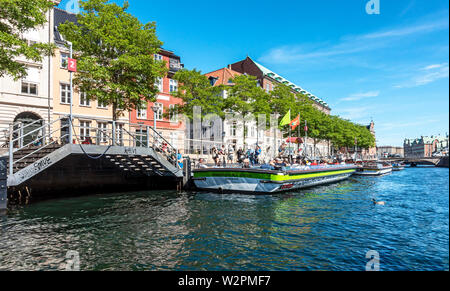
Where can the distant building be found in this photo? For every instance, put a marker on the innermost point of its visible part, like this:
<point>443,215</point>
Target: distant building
<point>169,125</point>
<point>232,131</point>
<point>91,119</point>
<point>365,154</point>
<point>390,151</point>
<point>426,146</point>
<point>268,80</point>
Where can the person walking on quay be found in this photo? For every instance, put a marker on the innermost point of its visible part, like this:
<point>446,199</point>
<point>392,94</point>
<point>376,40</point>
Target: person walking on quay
<point>223,155</point>
<point>215,155</point>
<point>282,149</point>
<point>230,153</point>
<point>240,156</point>
<point>251,155</point>
<point>258,152</point>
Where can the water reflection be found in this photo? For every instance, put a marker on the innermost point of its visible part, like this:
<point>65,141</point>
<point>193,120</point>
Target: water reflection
<point>326,228</point>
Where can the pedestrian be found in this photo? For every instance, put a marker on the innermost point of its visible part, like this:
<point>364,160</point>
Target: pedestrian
<point>258,152</point>
<point>223,155</point>
<point>251,155</point>
<point>230,153</point>
<point>240,156</point>
<point>215,155</point>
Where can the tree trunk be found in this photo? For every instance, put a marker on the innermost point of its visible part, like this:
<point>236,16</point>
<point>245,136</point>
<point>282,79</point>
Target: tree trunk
<point>243,133</point>
<point>114,111</point>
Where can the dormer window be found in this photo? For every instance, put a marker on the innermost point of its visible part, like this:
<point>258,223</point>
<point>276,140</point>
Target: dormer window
<point>213,80</point>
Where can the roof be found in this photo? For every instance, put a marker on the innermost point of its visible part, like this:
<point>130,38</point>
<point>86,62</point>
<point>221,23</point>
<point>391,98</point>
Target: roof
<point>223,75</point>
<point>288,83</point>
<point>61,16</point>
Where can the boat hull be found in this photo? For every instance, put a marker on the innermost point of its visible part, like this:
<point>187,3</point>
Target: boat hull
<point>373,172</point>
<point>257,182</point>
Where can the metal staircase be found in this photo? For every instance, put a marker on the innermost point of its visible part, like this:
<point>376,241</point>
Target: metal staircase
<point>129,147</point>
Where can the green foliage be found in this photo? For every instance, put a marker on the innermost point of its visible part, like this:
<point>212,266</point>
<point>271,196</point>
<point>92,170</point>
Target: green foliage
<point>115,55</point>
<point>245,97</point>
<point>17,17</point>
<point>196,90</point>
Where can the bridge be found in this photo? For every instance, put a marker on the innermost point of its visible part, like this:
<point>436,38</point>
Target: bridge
<point>434,161</point>
<point>121,156</point>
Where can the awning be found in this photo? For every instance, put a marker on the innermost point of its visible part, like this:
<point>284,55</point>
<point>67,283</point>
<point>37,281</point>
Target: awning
<point>294,140</point>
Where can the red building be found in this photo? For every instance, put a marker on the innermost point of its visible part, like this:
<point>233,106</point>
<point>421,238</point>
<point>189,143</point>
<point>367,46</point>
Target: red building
<point>168,125</point>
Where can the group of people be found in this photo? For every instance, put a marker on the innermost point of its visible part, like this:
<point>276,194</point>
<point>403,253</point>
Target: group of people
<point>223,155</point>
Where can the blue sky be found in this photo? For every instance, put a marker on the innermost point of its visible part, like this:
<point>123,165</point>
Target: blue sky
<point>392,67</point>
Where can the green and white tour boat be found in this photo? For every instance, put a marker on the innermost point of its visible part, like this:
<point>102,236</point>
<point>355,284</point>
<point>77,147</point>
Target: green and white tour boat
<point>374,169</point>
<point>266,181</point>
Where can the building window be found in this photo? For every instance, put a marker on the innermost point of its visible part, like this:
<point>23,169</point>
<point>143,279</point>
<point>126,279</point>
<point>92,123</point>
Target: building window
<point>267,88</point>
<point>64,60</point>
<point>102,132</point>
<point>252,131</point>
<point>84,130</point>
<point>159,84</point>
<point>141,113</point>
<point>65,94</point>
<point>174,138</point>
<point>158,57</point>
<point>233,127</point>
<point>102,104</point>
<point>84,101</point>
<point>173,86</point>
<point>29,88</point>
<point>141,137</point>
<point>173,116</point>
<point>119,133</point>
<point>159,112</point>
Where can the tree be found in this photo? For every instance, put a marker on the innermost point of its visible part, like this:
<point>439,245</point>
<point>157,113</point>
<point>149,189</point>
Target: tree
<point>196,90</point>
<point>18,17</point>
<point>115,55</point>
<point>246,99</point>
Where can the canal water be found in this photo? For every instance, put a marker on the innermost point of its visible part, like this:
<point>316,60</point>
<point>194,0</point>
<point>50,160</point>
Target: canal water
<point>325,228</point>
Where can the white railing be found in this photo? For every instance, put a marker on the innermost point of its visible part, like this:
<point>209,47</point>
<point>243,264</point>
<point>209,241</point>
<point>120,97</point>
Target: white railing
<point>111,133</point>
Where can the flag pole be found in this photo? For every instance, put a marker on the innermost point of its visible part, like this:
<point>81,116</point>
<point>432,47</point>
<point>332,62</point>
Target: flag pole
<point>306,139</point>
<point>290,130</point>
<point>299,133</point>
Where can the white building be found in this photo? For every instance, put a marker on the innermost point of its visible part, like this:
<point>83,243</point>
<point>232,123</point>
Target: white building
<point>31,98</point>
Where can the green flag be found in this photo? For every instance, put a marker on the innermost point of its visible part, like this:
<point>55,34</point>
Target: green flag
<point>286,119</point>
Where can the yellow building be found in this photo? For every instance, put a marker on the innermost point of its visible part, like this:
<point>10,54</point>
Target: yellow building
<point>92,120</point>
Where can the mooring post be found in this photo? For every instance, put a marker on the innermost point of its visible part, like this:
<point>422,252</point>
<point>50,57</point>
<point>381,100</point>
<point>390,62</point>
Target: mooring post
<point>11,148</point>
<point>3,183</point>
<point>187,172</point>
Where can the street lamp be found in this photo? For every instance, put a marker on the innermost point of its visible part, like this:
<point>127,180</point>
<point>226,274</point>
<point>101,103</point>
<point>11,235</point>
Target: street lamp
<point>71,96</point>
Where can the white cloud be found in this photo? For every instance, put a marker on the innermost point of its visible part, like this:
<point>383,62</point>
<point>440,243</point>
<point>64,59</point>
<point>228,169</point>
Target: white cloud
<point>427,75</point>
<point>348,45</point>
<point>405,31</point>
<point>354,113</point>
<point>360,96</point>
<point>435,66</point>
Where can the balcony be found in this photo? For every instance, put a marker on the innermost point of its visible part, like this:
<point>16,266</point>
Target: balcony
<point>175,66</point>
